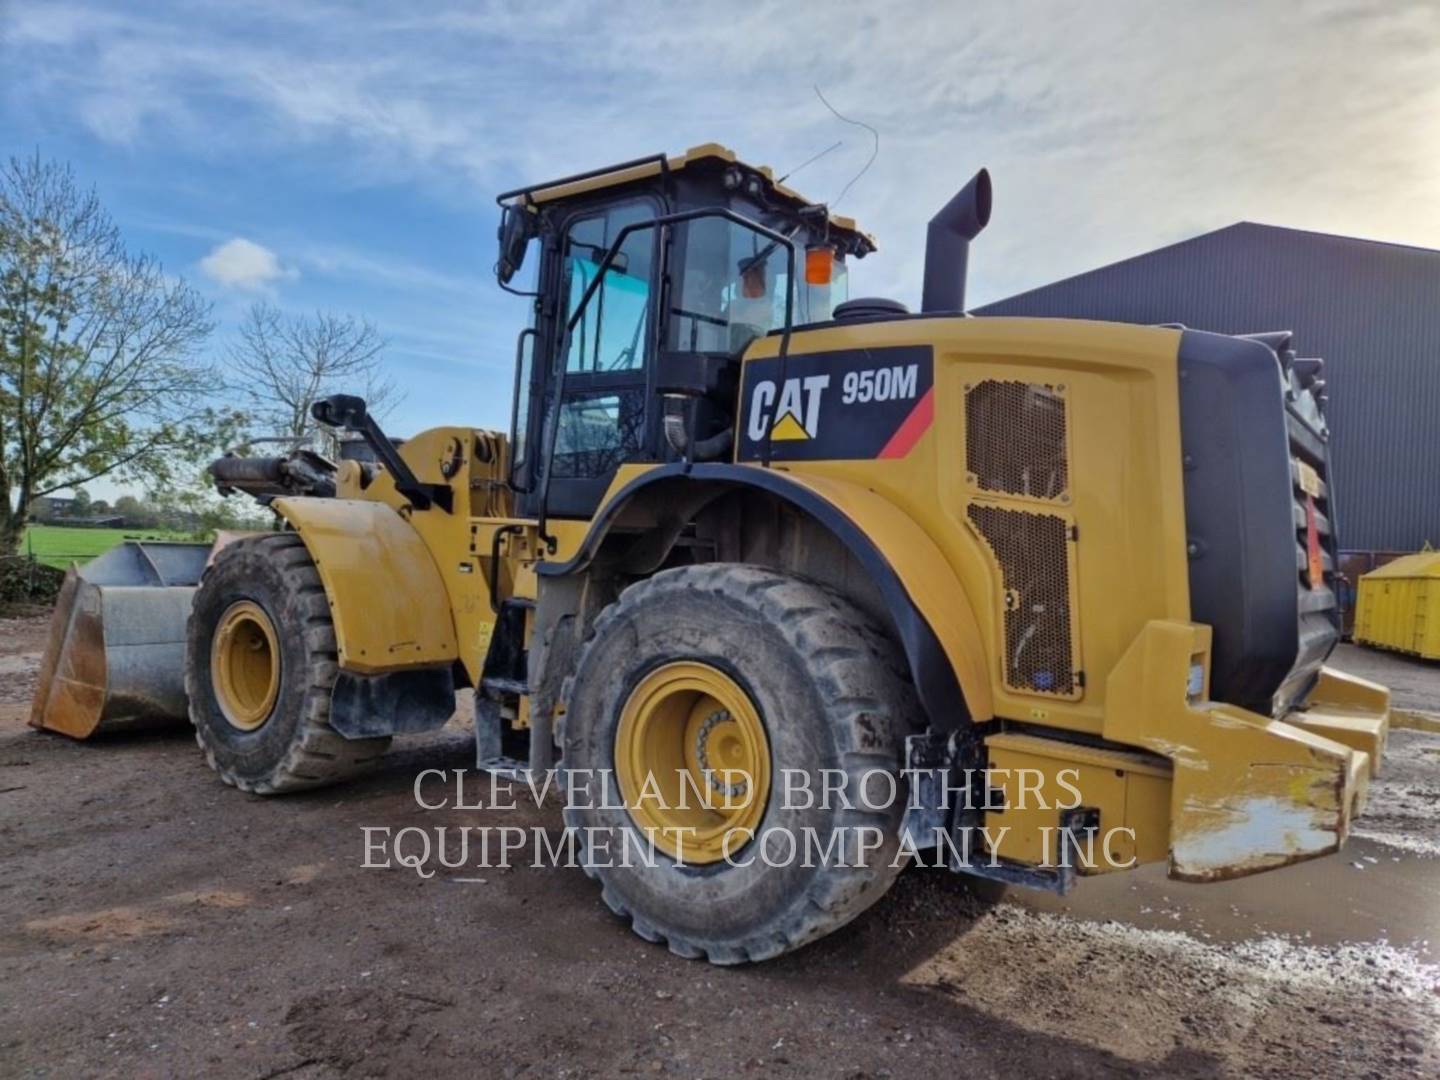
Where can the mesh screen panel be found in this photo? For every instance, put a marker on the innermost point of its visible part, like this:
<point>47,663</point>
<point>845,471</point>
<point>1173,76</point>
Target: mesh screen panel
<point>1033,554</point>
<point>1015,438</point>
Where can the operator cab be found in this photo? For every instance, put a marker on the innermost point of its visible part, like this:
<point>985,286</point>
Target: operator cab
<point>653,278</point>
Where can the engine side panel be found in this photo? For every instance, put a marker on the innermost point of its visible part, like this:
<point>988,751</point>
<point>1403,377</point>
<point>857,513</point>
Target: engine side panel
<point>1042,458</point>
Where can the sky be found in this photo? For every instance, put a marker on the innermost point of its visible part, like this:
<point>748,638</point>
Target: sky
<point>345,156</point>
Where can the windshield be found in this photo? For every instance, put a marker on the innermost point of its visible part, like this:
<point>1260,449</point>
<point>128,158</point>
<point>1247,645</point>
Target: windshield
<point>732,287</point>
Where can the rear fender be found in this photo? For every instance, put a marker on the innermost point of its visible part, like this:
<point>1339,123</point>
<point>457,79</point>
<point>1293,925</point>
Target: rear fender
<point>926,605</point>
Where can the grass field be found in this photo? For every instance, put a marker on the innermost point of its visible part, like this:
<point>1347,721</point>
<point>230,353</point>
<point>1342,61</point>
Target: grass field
<point>60,545</point>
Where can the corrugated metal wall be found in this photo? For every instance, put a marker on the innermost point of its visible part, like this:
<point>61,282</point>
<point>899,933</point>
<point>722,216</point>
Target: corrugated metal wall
<point>1371,310</point>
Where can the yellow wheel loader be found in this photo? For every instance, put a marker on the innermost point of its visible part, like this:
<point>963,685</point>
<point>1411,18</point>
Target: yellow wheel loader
<point>806,587</point>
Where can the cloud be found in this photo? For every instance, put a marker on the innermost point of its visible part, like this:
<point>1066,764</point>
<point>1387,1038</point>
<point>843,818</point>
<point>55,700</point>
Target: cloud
<point>1107,133</point>
<point>346,262</point>
<point>245,265</point>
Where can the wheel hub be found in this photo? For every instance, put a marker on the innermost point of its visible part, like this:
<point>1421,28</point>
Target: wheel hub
<point>245,665</point>
<point>693,761</point>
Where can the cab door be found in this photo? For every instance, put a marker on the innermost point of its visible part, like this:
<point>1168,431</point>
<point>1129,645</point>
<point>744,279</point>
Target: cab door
<point>607,414</point>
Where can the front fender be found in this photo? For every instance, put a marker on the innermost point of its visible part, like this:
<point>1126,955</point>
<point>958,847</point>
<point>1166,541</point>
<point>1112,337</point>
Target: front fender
<point>929,611</point>
<point>387,598</point>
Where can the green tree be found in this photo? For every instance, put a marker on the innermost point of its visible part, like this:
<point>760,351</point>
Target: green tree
<point>202,513</point>
<point>81,505</point>
<point>99,373</point>
<point>135,513</point>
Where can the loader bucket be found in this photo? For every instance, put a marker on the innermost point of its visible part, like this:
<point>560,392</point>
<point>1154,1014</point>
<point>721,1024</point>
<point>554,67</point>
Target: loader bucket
<point>116,653</point>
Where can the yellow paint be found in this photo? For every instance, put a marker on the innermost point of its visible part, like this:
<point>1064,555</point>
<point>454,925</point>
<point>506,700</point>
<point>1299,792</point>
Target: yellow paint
<point>1398,606</point>
<point>787,428</point>
<point>1249,792</point>
<point>1225,791</point>
<point>387,597</point>
<point>245,665</point>
<point>1350,710</point>
<point>928,577</point>
<point>703,152</point>
<point>1125,492</point>
<point>693,762</point>
<point>459,543</point>
<point>1038,779</point>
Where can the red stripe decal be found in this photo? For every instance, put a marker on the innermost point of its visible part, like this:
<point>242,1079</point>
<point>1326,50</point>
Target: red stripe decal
<point>914,425</point>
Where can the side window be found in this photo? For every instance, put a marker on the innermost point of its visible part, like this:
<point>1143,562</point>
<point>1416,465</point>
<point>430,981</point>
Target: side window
<point>733,284</point>
<point>598,432</point>
<point>612,334</point>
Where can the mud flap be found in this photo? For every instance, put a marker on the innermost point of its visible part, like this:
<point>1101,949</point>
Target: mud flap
<point>404,702</point>
<point>1250,793</point>
<point>115,657</point>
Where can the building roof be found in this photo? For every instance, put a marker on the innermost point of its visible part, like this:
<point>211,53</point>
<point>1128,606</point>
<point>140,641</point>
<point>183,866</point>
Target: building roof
<point>1370,309</point>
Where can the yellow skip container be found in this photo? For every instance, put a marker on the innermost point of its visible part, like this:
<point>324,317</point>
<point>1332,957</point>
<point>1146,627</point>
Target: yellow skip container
<point>1399,606</point>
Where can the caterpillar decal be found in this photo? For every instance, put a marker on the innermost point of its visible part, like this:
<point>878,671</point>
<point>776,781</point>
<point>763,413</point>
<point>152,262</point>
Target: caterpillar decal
<point>845,405</point>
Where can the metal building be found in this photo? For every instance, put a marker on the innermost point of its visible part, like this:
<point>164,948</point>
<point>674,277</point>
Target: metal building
<point>1371,310</point>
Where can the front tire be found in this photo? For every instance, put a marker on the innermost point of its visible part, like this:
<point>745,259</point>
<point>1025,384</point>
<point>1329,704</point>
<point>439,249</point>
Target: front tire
<point>680,670</point>
<point>260,665</point>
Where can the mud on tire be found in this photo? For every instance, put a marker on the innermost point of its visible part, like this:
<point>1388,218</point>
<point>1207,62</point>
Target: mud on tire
<point>832,692</point>
<point>294,747</point>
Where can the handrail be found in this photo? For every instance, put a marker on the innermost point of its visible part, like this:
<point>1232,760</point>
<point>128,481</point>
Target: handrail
<point>529,331</point>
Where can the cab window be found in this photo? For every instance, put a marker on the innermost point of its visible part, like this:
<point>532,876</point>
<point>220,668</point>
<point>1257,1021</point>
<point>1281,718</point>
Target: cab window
<point>611,335</point>
<point>732,287</point>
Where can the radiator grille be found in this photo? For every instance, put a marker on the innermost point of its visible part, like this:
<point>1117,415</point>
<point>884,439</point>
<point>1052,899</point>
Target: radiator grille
<point>1032,550</point>
<point>1015,438</point>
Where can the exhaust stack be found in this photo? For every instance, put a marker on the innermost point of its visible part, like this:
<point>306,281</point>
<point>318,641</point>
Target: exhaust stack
<point>947,244</point>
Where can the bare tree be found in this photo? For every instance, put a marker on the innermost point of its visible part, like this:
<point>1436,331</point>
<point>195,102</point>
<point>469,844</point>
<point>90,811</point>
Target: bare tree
<point>282,364</point>
<point>98,368</point>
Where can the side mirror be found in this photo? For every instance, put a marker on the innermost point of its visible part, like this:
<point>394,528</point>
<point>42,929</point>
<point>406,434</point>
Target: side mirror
<point>341,410</point>
<point>514,235</point>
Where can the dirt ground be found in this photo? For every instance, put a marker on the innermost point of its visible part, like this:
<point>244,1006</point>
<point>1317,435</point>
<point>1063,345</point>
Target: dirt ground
<point>156,923</point>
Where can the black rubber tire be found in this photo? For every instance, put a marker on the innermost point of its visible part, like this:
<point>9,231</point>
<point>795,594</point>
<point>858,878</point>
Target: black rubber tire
<point>295,748</point>
<point>832,692</point>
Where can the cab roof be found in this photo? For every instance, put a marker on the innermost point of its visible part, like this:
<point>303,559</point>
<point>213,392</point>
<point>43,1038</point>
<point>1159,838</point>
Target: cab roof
<point>642,168</point>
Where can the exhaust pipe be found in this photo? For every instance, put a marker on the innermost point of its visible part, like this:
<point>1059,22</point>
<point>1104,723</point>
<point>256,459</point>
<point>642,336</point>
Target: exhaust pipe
<point>947,244</point>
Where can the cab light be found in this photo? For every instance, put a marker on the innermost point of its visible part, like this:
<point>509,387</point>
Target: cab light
<point>819,265</point>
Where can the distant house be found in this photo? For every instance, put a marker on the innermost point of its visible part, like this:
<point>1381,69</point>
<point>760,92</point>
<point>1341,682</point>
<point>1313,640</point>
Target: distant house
<point>50,508</point>
<point>1371,310</point>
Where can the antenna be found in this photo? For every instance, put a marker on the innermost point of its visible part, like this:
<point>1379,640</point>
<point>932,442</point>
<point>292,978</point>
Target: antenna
<point>810,161</point>
<point>874,153</point>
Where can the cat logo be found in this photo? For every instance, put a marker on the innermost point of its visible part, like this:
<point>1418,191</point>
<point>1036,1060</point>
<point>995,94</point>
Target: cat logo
<point>795,416</point>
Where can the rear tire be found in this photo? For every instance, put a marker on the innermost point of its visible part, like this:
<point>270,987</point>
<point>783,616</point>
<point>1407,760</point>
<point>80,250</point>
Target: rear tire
<point>831,692</point>
<point>266,730</point>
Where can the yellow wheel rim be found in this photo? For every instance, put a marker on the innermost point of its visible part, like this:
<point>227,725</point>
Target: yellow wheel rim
<point>245,665</point>
<point>693,762</point>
